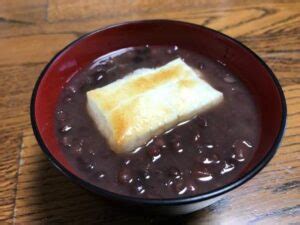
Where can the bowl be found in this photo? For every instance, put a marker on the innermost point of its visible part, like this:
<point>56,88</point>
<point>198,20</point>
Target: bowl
<point>239,59</point>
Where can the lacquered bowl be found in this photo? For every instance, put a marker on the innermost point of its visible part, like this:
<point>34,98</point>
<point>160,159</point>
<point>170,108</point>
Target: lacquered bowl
<point>239,59</point>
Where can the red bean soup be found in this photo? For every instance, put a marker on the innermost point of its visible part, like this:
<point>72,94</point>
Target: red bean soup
<point>194,157</point>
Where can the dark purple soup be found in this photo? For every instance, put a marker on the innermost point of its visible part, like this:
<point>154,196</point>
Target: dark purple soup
<point>203,154</point>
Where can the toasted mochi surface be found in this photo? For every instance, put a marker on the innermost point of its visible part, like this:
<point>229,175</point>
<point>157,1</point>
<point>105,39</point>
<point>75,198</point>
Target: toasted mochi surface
<point>143,104</point>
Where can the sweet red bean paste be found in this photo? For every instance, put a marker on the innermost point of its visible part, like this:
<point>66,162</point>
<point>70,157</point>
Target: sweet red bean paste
<point>203,154</point>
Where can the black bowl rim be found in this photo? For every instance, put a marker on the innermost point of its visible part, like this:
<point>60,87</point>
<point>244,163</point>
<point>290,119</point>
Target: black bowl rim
<point>161,202</point>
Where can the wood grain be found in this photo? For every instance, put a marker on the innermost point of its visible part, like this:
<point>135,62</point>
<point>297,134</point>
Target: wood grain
<point>31,32</point>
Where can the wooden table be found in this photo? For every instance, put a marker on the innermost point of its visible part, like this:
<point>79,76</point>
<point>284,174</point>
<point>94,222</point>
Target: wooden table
<point>31,32</point>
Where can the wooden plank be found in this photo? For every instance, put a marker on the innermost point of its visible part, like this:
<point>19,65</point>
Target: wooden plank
<point>236,19</point>
<point>16,85</point>
<point>31,32</point>
<point>9,164</point>
<point>22,12</point>
<point>272,196</point>
<point>32,48</point>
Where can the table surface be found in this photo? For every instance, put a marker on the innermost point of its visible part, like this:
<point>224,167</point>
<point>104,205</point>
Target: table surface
<point>31,32</point>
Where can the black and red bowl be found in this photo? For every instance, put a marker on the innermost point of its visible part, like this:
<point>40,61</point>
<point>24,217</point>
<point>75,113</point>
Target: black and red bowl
<point>252,70</point>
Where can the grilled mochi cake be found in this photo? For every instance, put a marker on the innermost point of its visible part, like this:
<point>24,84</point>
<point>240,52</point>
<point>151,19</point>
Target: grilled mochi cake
<point>143,104</point>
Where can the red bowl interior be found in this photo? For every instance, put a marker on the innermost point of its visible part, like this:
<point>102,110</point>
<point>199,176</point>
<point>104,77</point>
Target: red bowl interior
<point>240,60</point>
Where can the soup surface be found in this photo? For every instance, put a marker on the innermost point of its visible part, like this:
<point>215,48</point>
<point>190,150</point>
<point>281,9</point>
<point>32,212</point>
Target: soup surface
<point>194,157</point>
